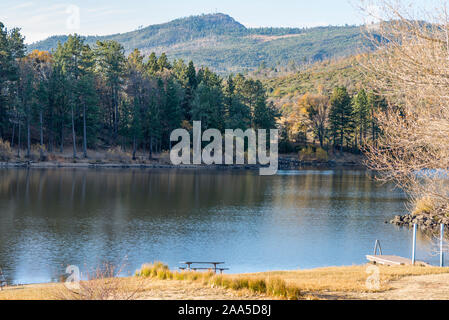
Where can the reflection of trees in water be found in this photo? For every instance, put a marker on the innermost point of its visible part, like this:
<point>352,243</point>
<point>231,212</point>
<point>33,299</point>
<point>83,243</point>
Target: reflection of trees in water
<point>69,213</point>
<point>79,191</point>
<point>81,216</point>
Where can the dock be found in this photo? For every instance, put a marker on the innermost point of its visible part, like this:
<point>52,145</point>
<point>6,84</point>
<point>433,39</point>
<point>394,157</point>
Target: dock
<point>389,260</point>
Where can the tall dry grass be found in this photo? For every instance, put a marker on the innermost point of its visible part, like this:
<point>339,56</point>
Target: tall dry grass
<point>272,286</point>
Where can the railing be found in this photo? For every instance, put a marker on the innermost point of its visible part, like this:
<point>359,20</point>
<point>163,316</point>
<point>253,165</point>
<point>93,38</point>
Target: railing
<point>377,246</point>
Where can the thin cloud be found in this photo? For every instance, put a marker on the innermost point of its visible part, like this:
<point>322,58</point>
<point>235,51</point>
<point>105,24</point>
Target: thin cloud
<point>23,5</point>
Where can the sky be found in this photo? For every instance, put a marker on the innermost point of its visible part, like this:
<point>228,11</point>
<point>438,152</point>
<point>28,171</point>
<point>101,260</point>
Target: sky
<point>40,19</point>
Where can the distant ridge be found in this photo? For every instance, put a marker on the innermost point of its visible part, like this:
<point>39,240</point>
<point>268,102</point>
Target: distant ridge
<point>222,43</point>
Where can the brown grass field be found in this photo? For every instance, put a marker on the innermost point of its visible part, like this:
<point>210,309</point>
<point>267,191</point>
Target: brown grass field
<point>336,283</point>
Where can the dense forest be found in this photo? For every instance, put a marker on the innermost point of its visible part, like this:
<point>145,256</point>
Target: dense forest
<point>93,97</point>
<point>225,45</point>
<point>97,97</point>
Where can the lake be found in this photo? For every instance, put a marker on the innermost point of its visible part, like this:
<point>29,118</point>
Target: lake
<point>295,220</point>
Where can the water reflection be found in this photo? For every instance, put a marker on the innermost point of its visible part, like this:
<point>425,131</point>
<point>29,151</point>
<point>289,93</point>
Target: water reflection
<point>52,218</point>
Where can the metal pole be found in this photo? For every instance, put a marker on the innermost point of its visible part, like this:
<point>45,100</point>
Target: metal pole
<point>415,226</point>
<point>441,245</point>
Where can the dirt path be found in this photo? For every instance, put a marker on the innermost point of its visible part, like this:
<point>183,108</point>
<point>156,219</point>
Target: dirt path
<point>428,287</point>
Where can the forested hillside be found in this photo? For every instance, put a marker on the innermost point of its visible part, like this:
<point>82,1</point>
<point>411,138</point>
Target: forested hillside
<point>330,104</point>
<point>225,45</point>
<point>318,77</point>
<point>98,98</point>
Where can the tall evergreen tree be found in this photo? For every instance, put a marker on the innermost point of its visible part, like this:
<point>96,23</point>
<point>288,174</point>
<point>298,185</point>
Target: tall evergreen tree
<point>238,115</point>
<point>361,115</point>
<point>110,58</point>
<point>340,117</point>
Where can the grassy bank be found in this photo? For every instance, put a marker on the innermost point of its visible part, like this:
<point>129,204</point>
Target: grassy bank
<point>156,281</point>
<point>272,286</point>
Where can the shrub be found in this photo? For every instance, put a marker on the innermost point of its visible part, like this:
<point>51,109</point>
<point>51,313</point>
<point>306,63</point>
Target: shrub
<point>154,270</point>
<point>321,155</point>
<point>117,154</point>
<point>311,153</point>
<point>39,152</point>
<point>102,283</point>
<point>424,206</point>
<point>5,151</point>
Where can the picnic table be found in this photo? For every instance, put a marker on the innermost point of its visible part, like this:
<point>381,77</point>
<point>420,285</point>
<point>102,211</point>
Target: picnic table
<point>214,266</point>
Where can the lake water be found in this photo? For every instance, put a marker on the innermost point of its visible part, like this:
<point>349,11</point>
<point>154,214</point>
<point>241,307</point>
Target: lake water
<point>297,219</point>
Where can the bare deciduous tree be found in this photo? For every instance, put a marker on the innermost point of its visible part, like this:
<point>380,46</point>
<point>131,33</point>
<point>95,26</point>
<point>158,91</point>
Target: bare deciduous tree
<point>410,68</point>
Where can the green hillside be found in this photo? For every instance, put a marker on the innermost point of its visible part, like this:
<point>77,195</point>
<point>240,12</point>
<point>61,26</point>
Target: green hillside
<point>220,42</point>
<point>324,76</point>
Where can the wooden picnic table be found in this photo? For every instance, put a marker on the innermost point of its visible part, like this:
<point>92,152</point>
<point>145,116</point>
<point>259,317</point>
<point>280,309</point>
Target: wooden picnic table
<point>215,264</point>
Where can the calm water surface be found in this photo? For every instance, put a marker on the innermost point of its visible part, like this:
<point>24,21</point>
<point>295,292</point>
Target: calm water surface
<point>304,219</point>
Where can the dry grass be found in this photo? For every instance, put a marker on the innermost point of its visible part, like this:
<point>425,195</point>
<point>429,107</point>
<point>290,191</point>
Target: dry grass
<point>346,279</point>
<point>424,205</point>
<point>272,286</point>
<point>32,292</point>
<point>158,282</point>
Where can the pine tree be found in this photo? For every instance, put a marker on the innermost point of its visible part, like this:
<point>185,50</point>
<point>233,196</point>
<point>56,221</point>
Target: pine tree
<point>110,60</point>
<point>151,65</point>
<point>172,113</point>
<point>340,117</point>
<point>134,89</point>
<point>238,115</point>
<point>361,114</point>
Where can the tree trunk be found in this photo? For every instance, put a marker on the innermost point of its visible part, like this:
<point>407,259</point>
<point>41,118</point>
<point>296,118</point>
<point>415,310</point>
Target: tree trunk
<point>151,148</point>
<point>341,140</point>
<point>13,134</point>
<point>361,136</point>
<point>18,143</point>
<point>41,122</point>
<point>73,135</point>
<point>134,147</point>
<point>51,137</point>
<point>84,132</point>
<point>115,97</point>
<point>28,137</point>
<point>61,145</point>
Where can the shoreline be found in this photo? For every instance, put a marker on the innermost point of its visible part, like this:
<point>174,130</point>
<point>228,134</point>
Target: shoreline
<point>92,165</point>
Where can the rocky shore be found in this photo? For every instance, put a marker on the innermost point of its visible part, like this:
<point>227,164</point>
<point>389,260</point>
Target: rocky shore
<point>426,222</point>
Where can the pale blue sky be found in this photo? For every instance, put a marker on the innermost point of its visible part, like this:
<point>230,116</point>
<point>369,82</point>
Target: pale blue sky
<point>42,18</point>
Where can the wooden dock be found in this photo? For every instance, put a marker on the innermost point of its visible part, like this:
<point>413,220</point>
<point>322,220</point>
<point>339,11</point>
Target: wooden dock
<point>389,260</point>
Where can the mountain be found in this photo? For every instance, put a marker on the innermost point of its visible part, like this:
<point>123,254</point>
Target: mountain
<point>225,45</point>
